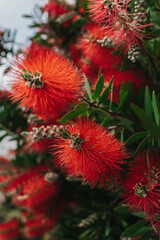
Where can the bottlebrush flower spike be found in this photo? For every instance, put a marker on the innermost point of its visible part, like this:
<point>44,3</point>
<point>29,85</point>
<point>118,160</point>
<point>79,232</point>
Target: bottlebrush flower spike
<point>91,152</point>
<point>53,9</point>
<point>37,226</point>
<point>91,47</point>
<point>114,16</point>
<point>142,185</point>
<point>45,82</point>
<point>154,218</point>
<point>9,230</point>
<point>34,191</point>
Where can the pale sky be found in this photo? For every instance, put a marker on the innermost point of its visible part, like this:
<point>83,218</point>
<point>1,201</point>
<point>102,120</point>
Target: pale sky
<point>11,12</point>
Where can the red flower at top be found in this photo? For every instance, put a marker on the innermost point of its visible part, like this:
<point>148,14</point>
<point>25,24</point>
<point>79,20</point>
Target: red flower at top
<point>45,82</point>
<point>91,45</point>
<point>54,9</point>
<point>91,152</point>
<point>114,15</point>
<point>142,185</point>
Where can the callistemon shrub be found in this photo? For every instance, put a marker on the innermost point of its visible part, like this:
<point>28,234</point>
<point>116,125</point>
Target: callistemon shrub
<point>83,107</point>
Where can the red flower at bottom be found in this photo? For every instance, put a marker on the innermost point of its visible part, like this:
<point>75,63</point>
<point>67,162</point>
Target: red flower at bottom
<point>142,185</point>
<point>9,230</point>
<point>91,152</point>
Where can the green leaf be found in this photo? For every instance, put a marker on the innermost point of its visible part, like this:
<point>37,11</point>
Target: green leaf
<point>144,142</point>
<point>135,137</point>
<point>148,102</point>
<point>123,90</point>
<point>104,97</point>
<point>125,64</point>
<point>27,16</point>
<point>79,109</point>
<point>135,230</point>
<point>85,235</point>
<point>124,209</point>
<point>146,122</point>
<point>107,229</point>
<point>99,87</point>
<point>123,101</point>
<point>88,88</point>
<point>146,235</point>
<point>139,98</point>
<point>116,52</point>
<point>99,113</point>
<point>155,108</point>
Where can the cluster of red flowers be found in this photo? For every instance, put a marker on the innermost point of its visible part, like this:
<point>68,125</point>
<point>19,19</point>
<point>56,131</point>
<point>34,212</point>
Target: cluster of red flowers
<point>142,186</point>
<point>48,84</point>
<point>9,230</point>
<point>114,16</point>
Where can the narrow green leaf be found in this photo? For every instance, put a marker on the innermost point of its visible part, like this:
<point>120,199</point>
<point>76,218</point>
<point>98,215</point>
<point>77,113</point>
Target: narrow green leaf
<point>85,234</point>
<point>133,230</point>
<point>124,209</point>
<point>123,101</point>
<point>107,121</point>
<point>116,53</point>
<point>79,109</point>
<point>99,87</point>
<point>122,135</point>
<point>146,235</point>
<point>144,142</point>
<point>145,120</point>
<point>148,102</point>
<point>155,108</point>
<point>88,88</point>
<point>123,90</point>
<point>104,97</point>
<point>135,137</point>
<point>125,64</point>
<point>27,16</point>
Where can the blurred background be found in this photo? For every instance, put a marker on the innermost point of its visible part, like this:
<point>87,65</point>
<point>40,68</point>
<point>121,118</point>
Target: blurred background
<point>11,18</point>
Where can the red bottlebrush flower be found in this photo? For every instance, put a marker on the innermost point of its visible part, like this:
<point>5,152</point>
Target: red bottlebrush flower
<point>37,146</point>
<point>9,230</point>
<point>34,191</point>
<point>136,77</point>
<point>37,192</point>
<point>142,184</point>
<point>91,152</point>
<point>92,48</point>
<point>23,178</point>
<point>53,9</point>
<point>154,218</point>
<point>37,226</point>
<point>45,82</point>
<point>114,16</point>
